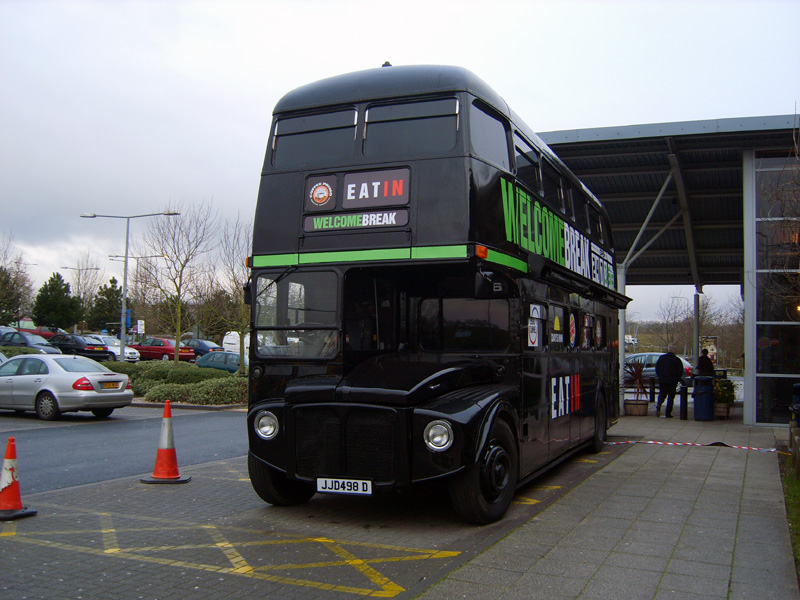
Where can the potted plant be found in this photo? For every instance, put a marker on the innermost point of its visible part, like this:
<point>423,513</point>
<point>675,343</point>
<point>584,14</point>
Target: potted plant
<point>634,379</point>
<point>724,395</point>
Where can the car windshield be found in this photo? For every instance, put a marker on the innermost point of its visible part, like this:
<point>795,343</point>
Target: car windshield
<point>80,364</point>
<point>35,339</point>
<point>110,340</point>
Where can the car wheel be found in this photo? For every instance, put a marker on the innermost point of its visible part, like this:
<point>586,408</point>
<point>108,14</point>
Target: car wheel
<point>274,487</point>
<point>111,357</point>
<point>47,407</point>
<point>165,357</point>
<point>102,413</point>
<point>482,493</point>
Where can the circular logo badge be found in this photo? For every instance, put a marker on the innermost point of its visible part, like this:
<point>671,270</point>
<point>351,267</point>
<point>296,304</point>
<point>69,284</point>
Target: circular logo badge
<point>320,194</point>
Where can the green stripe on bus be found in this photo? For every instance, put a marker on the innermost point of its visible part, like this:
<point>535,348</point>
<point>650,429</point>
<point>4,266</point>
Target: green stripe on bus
<point>355,256</point>
<point>275,260</point>
<point>422,253</point>
<point>508,261</point>
<point>428,252</point>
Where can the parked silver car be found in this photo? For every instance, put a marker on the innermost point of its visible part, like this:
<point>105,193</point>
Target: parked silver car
<point>51,384</point>
<point>649,359</point>
<point>114,347</point>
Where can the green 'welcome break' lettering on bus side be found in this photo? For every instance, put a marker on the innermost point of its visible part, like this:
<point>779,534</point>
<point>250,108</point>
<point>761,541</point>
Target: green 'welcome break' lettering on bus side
<point>535,228</point>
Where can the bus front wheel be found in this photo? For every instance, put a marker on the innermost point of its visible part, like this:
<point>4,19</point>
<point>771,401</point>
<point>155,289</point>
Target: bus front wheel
<point>274,487</point>
<point>483,493</point>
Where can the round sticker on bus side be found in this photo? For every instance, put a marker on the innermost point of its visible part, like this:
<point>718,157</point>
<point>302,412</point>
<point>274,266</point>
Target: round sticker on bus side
<point>320,193</point>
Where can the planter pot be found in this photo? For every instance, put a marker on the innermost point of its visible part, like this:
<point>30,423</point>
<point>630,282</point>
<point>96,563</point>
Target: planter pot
<point>721,410</point>
<point>636,408</point>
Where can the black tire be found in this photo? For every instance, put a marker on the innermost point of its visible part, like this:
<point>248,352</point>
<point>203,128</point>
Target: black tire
<point>47,407</point>
<point>600,426</point>
<point>274,487</point>
<point>111,357</point>
<point>102,413</point>
<point>482,493</point>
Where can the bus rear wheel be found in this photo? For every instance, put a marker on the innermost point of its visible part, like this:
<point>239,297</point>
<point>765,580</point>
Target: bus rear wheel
<point>483,493</point>
<point>274,487</point>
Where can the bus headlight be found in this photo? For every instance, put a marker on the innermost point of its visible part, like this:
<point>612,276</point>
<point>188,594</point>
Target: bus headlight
<point>266,425</point>
<point>438,436</point>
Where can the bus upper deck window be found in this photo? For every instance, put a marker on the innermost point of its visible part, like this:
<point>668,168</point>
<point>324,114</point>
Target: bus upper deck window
<point>488,137</point>
<point>313,139</point>
<point>551,180</point>
<point>527,164</point>
<point>411,129</point>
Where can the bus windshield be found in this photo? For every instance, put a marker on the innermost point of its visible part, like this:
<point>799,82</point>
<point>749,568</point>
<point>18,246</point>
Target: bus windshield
<point>296,315</point>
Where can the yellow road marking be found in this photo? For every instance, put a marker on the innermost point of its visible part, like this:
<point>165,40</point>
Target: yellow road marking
<point>221,540</point>
<point>110,542</point>
<point>523,500</point>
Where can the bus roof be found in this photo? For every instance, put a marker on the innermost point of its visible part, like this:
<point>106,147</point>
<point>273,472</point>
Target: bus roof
<point>389,82</point>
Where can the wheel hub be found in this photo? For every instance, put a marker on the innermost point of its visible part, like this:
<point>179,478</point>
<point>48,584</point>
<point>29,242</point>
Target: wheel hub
<point>496,472</point>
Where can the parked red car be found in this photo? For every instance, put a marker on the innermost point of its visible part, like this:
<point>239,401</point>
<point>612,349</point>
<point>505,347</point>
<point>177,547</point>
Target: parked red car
<point>45,332</point>
<point>162,349</point>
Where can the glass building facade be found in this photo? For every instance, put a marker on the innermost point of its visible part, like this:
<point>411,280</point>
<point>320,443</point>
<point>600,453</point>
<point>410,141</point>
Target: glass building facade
<point>771,284</point>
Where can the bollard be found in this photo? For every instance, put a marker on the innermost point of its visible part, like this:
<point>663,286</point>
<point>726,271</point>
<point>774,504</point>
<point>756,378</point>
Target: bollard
<point>652,389</point>
<point>684,403</point>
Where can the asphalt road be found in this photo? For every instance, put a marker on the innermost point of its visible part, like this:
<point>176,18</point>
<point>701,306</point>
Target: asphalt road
<point>80,449</point>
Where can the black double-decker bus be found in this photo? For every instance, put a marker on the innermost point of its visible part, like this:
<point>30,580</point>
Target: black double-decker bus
<point>433,296</point>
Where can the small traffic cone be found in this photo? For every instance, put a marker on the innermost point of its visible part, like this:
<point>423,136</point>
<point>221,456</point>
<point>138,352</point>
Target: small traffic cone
<point>166,469</point>
<point>10,499</point>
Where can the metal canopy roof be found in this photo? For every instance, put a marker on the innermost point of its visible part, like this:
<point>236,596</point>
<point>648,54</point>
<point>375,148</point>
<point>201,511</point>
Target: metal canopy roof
<point>695,232</point>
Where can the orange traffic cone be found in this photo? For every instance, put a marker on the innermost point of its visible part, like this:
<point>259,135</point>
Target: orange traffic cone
<point>166,469</point>
<point>10,499</point>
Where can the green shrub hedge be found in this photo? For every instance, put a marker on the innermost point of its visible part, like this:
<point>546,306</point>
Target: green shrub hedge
<point>217,391</point>
<point>10,351</point>
<point>159,380</point>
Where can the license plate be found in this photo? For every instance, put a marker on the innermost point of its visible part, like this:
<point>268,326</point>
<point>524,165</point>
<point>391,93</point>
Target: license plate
<point>330,485</point>
<point>109,385</point>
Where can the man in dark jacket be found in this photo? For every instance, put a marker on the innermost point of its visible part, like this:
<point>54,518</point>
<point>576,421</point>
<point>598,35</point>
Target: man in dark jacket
<point>669,370</point>
<point>705,367</point>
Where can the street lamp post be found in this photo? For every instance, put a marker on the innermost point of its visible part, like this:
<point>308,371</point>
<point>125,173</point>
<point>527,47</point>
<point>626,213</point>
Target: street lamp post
<point>123,339</point>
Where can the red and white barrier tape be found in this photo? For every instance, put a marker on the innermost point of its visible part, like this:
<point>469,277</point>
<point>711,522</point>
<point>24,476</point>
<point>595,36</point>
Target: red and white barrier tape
<point>692,444</point>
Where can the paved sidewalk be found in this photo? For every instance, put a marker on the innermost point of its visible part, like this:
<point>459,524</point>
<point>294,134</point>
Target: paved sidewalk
<point>678,522</point>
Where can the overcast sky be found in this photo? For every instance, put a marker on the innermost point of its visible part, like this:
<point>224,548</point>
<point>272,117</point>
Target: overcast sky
<point>126,108</point>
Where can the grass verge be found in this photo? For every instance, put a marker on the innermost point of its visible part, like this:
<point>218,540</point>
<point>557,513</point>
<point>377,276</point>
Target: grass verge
<point>791,494</point>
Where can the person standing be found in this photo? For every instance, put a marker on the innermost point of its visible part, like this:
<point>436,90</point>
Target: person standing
<point>705,368</point>
<point>669,370</point>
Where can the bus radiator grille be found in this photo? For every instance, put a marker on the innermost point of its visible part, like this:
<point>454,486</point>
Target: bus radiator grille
<point>348,442</point>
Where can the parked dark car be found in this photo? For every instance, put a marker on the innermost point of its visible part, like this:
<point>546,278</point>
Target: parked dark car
<point>76,344</point>
<point>202,347</point>
<point>224,360</point>
<point>649,359</point>
<point>22,339</point>
<point>162,349</point>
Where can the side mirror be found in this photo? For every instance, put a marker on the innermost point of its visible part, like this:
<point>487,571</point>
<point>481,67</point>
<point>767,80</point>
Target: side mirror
<point>248,296</point>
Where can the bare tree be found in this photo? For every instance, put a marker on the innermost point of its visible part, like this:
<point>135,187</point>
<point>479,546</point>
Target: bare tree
<point>234,248</point>
<point>185,241</point>
<point>673,313</point>
<point>85,279</point>
<point>16,286</point>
